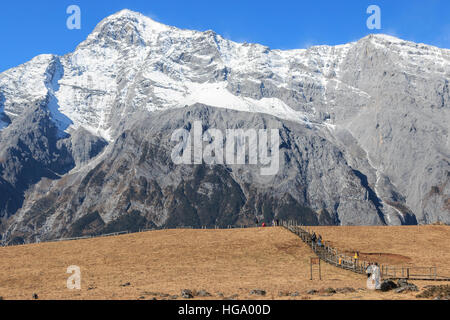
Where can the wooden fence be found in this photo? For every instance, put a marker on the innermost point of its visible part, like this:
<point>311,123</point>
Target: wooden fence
<point>3,244</point>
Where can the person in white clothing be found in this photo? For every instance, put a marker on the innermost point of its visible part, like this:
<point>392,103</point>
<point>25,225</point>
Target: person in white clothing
<point>374,277</point>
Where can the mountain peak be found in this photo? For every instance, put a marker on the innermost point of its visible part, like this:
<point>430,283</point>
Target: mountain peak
<point>384,37</point>
<point>126,12</point>
<point>129,25</point>
<point>130,15</point>
<point>136,17</point>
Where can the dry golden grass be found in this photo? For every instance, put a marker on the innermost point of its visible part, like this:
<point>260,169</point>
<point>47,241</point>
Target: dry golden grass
<point>227,261</point>
<point>420,246</point>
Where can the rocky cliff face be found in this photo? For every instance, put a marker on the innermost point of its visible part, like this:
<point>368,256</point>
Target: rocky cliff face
<point>86,138</point>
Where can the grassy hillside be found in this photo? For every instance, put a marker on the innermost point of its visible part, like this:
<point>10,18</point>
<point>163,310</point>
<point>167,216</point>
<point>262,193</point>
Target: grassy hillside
<point>225,263</point>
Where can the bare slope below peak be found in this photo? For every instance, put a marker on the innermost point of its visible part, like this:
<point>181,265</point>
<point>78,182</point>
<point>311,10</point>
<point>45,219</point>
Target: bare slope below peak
<point>137,181</point>
<point>377,109</point>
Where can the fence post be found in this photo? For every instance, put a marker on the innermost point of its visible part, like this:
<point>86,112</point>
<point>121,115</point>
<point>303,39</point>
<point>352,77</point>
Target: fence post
<point>320,271</point>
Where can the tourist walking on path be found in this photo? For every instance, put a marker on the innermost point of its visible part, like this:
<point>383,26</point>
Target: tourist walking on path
<point>356,257</point>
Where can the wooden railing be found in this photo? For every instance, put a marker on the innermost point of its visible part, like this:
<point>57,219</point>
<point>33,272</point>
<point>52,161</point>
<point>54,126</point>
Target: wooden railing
<point>216,227</point>
<point>341,260</point>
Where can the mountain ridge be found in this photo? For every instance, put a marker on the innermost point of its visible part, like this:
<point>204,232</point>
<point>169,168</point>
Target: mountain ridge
<point>381,102</point>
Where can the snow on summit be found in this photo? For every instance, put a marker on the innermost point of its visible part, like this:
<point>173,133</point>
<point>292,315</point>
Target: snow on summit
<point>130,63</point>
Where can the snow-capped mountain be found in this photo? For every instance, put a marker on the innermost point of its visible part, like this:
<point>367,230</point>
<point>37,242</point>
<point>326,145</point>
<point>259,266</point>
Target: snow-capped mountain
<point>129,55</point>
<point>379,107</point>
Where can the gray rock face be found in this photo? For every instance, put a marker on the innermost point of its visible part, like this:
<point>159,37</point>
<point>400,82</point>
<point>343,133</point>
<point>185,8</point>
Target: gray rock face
<point>136,184</point>
<point>29,151</point>
<point>85,138</point>
<point>404,127</point>
<point>84,146</point>
<point>33,150</point>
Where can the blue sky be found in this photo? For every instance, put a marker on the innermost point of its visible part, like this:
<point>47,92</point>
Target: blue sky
<point>29,28</point>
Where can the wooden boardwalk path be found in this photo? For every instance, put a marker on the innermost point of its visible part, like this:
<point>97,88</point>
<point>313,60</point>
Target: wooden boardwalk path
<point>340,260</point>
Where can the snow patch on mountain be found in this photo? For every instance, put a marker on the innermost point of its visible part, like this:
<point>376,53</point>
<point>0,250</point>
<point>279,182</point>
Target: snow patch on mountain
<point>217,95</point>
<point>214,94</point>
